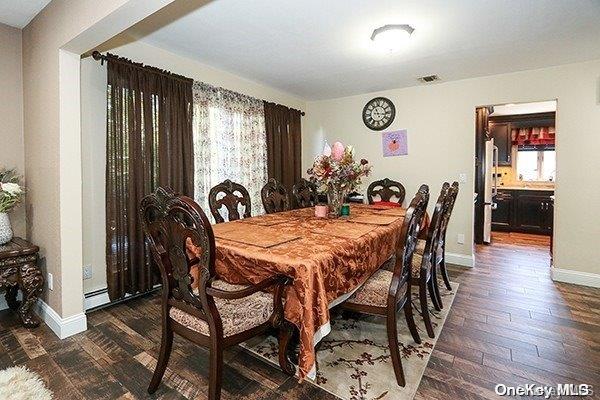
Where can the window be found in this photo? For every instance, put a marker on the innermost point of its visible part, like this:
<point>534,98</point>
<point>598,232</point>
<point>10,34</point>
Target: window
<point>536,165</point>
<point>230,142</point>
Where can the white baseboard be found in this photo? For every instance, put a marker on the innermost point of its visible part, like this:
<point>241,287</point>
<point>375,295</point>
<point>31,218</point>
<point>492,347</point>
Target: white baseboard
<point>460,259</point>
<point>62,327</point>
<point>575,277</point>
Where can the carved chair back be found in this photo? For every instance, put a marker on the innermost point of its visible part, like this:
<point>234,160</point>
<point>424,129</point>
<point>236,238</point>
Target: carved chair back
<point>434,230</point>
<point>453,193</point>
<point>387,190</point>
<point>274,197</point>
<point>231,196</point>
<point>305,194</point>
<point>171,223</point>
<point>409,233</point>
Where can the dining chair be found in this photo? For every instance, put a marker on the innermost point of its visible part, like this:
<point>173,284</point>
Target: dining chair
<point>440,251</point>
<point>305,194</point>
<point>423,272</point>
<point>274,197</point>
<point>441,259</point>
<point>389,191</point>
<point>233,196</point>
<point>215,315</point>
<point>388,290</point>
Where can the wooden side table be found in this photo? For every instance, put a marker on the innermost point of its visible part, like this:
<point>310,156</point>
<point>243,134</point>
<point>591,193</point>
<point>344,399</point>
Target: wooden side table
<point>19,270</point>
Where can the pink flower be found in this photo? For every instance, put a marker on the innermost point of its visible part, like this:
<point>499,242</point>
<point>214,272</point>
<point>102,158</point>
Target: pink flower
<point>337,151</point>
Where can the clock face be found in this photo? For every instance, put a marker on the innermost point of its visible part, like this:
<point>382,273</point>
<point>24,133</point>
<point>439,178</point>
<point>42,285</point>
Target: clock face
<point>379,113</point>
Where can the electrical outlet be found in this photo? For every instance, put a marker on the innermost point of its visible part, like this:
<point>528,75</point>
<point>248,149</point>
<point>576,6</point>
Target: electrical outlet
<point>87,272</point>
<point>462,178</point>
<point>460,239</point>
<point>50,281</point>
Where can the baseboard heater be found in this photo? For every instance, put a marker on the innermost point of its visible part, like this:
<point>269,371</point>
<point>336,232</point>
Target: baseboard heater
<point>99,299</point>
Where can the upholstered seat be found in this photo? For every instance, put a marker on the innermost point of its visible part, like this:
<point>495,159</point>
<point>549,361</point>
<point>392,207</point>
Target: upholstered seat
<point>420,249</point>
<point>237,315</point>
<point>418,257</point>
<point>375,291</point>
<point>416,265</point>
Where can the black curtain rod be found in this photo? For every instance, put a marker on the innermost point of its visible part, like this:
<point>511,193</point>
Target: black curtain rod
<point>96,55</point>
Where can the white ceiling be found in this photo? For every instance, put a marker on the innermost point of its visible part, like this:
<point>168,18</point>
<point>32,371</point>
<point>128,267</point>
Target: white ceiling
<point>19,13</point>
<point>321,49</point>
<point>525,108</point>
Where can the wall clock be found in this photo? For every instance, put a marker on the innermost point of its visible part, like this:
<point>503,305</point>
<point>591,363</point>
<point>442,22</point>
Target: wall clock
<point>379,113</point>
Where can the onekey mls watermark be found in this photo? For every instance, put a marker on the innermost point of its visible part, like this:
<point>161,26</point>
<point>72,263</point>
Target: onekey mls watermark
<point>547,392</point>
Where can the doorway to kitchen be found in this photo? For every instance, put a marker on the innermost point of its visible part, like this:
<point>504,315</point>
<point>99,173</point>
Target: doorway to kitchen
<point>515,172</point>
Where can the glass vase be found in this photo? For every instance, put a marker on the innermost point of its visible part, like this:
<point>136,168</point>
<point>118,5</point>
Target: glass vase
<point>336,196</point>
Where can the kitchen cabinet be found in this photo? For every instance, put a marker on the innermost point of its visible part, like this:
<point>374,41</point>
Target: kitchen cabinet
<point>523,210</point>
<point>502,216</point>
<point>500,132</point>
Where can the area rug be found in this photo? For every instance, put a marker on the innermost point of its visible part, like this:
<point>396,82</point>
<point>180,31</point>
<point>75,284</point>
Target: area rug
<point>353,361</point>
<point>18,383</point>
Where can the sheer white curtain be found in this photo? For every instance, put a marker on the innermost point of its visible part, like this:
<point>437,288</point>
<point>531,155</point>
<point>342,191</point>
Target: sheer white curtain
<point>230,142</point>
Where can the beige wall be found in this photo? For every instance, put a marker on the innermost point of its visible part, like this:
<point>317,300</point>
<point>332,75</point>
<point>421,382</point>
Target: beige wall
<point>12,151</point>
<point>52,43</point>
<point>93,109</point>
<point>441,125</point>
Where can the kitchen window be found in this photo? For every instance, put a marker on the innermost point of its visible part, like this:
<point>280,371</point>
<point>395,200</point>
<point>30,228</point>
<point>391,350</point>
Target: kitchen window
<point>534,164</point>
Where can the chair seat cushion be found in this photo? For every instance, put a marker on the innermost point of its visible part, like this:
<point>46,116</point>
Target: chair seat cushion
<point>416,264</point>
<point>237,315</point>
<point>418,257</point>
<point>375,291</point>
<point>420,249</point>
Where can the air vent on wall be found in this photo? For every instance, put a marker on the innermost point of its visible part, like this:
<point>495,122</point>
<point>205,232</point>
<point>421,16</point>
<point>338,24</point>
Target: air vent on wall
<point>428,79</point>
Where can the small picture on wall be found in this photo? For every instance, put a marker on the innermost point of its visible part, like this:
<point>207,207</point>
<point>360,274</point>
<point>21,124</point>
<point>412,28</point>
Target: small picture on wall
<point>394,143</point>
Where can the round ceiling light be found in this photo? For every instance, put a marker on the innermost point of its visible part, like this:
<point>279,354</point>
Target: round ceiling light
<point>392,37</point>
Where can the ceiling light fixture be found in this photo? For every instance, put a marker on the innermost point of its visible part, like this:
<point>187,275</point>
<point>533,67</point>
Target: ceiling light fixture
<point>392,37</point>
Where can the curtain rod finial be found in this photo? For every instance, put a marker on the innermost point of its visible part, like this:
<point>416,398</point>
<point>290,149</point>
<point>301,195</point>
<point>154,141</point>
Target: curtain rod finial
<point>96,55</point>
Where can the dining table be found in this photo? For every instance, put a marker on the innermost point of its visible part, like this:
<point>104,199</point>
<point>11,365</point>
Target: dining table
<point>327,259</point>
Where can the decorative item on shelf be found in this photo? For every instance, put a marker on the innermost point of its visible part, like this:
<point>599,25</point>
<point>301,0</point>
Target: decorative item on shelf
<point>11,194</point>
<point>337,174</point>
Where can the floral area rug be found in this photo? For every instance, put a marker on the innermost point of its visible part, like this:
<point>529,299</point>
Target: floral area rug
<point>354,362</point>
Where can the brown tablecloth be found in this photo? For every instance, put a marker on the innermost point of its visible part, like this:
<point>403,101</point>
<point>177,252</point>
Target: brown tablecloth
<point>326,269</point>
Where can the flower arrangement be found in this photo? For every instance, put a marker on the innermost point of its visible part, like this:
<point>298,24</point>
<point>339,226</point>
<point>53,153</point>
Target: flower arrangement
<point>338,173</point>
<point>11,193</point>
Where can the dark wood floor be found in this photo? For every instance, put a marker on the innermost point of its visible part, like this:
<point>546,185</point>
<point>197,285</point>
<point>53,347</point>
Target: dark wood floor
<point>509,324</point>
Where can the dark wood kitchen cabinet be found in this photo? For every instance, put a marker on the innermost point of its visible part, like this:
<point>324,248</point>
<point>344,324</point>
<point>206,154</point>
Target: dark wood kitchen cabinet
<point>529,211</point>
<point>500,132</point>
<point>502,216</point>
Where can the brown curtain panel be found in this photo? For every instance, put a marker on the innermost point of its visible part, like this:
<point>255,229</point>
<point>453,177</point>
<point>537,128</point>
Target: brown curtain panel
<point>284,158</point>
<point>149,144</point>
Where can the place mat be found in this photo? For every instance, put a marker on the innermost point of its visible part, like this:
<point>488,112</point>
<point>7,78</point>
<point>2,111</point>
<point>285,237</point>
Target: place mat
<point>255,235</point>
<point>269,219</point>
<point>226,226</point>
<point>374,219</point>
<point>396,211</point>
<point>380,207</point>
<point>340,229</point>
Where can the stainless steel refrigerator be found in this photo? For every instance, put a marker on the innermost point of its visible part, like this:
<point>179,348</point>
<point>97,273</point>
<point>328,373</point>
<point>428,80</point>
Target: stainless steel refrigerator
<point>490,188</point>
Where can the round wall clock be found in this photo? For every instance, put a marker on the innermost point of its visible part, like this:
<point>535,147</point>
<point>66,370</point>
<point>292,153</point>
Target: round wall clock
<point>379,113</point>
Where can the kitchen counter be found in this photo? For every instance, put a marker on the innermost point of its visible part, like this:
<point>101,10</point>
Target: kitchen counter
<point>512,187</point>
